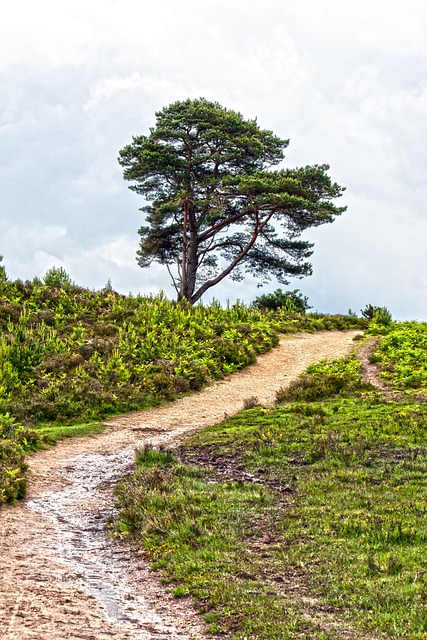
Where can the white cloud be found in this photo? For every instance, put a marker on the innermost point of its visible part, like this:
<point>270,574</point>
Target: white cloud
<point>344,80</point>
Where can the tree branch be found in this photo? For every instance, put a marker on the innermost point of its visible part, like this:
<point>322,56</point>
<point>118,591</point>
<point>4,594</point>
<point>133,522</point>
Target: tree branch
<point>211,283</point>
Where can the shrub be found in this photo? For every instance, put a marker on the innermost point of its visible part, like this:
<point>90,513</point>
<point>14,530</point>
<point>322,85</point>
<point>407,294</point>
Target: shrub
<point>15,441</point>
<point>402,354</point>
<point>57,277</point>
<point>288,300</point>
<point>3,276</point>
<point>380,314</point>
<point>324,380</point>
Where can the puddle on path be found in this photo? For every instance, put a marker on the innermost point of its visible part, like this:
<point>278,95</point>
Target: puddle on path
<point>79,512</point>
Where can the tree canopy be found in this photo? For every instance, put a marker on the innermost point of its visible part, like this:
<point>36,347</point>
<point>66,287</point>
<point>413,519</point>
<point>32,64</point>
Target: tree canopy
<point>216,207</point>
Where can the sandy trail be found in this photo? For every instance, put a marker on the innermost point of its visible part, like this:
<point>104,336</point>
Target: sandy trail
<point>60,575</point>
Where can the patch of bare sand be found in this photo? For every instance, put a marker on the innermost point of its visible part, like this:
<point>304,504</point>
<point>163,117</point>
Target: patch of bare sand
<point>60,576</point>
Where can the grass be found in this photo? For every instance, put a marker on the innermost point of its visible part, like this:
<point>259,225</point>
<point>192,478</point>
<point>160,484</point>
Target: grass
<point>305,521</point>
<point>68,354</point>
<point>70,357</point>
<point>52,433</point>
<point>402,354</point>
<point>17,441</point>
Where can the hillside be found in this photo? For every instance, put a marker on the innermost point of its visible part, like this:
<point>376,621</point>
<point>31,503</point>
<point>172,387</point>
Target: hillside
<point>71,356</point>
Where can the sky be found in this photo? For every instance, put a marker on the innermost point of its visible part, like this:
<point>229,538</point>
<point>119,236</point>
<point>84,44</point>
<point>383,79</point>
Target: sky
<point>346,82</point>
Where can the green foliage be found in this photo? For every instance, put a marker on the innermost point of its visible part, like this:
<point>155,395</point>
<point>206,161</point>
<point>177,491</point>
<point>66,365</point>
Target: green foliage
<point>381,323</point>
<point>68,354</point>
<point>108,287</point>
<point>380,315</point>
<point>57,277</point>
<point>402,355</point>
<point>290,301</point>
<point>216,204</point>
<point>369,311</point>
<point>15,442</point>
<point>324,380</point>
<point>284,321</point>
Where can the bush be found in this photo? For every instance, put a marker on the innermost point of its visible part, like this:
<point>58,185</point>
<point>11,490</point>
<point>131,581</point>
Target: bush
<point>15,441</point>
<point>3,276</point>
<point>402,354</point>
<point>324,380</point>
<point>380,314</point>
<point>287,300</point>
<point>57,277</point>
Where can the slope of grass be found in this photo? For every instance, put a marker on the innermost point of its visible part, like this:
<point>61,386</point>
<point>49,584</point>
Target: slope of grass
<point>68,353</point>
<point>72,353</point>
<point>305,521</point>
<point>70,356</point>
<point>402,355</point>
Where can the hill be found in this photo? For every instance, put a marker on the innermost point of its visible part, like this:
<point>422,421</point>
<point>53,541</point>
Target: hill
<point>69,355</point>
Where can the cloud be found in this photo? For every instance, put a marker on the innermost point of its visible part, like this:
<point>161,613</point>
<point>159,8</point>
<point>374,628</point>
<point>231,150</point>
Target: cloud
<point>344,80</point>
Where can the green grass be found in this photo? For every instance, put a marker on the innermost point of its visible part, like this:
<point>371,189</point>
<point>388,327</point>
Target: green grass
<point>308,520</point>
<point>68,354</point>
<point>70,357</point>
<point>51,433</point>
<point>17,441</point>
<point>402,355</point>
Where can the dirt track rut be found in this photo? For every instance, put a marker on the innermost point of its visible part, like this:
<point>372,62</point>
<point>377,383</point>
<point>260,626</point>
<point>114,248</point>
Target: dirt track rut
<point>60,575</point>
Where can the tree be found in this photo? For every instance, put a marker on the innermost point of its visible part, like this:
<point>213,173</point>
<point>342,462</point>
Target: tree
<point>216,207</point>
<point>57,277</point>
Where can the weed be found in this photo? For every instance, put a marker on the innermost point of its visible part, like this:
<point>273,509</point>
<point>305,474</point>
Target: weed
<point>251,402</point>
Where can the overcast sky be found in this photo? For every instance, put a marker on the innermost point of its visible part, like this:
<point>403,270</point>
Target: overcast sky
<point>346,81</point>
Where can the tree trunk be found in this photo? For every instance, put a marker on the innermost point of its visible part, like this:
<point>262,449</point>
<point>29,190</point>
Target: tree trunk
<point>189,252</point>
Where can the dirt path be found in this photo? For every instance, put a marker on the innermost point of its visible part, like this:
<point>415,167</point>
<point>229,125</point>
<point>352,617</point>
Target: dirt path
<point>60,576</point>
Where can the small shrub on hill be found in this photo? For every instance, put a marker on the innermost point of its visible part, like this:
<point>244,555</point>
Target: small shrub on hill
<point>57,277</point>
<point>324,380</point>
<point>3,276</point>
<point>402,355</point>
<point>291,301</point>
<point>15,442</point>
